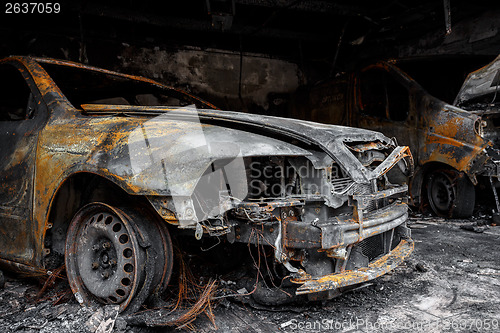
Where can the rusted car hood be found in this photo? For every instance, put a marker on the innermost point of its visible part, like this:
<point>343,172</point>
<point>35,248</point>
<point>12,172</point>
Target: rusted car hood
<point>484,81</point>
<point>175,146</point>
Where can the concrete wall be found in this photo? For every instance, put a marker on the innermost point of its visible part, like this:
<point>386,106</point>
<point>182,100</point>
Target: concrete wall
<point>215,74</point>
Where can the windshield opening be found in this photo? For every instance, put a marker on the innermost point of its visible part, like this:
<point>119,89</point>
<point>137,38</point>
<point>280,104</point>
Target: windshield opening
<point>87,86</point>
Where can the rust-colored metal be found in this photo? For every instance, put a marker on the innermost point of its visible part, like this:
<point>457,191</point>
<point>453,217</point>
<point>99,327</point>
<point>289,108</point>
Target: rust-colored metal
<point>434,131</point>
<point>375,269</point>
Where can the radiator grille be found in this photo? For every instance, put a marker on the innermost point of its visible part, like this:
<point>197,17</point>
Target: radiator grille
<point>373,247</point>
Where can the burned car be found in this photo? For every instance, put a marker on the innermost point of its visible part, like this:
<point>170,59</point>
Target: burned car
<point>454,143</point>
<point>101,170</point>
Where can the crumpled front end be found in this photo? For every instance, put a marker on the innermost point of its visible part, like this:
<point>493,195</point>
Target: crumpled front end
<point>326,229</point>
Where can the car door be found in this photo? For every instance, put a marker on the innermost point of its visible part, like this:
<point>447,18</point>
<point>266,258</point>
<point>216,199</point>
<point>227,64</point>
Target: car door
<point>20,121</point>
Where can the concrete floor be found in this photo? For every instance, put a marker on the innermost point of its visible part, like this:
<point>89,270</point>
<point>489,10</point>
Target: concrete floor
<point>451,283</point>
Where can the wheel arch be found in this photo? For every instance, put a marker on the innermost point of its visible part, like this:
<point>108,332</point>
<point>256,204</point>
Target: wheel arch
<point>75,191</point>
<point>461,204</point>
<point>417,184</point>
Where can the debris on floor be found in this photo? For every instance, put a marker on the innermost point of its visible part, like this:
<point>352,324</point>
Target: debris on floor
<point>474,227</point>
<point>450,273</point>
<point>421,267</point>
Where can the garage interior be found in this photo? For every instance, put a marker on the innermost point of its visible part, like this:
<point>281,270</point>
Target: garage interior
<point>269,57</point>
<point>253,55</point>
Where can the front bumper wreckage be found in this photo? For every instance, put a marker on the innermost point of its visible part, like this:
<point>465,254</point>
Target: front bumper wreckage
<point>346,230</point>
<point>340,235</point>
<point>325,257</point>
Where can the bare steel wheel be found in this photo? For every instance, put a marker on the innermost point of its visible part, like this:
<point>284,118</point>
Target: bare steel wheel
<point>116,256</point>
<point>450,193</point>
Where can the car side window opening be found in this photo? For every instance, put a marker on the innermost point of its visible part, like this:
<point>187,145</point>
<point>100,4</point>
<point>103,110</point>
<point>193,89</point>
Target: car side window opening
<point>382,96</point>
<point>16,100</point>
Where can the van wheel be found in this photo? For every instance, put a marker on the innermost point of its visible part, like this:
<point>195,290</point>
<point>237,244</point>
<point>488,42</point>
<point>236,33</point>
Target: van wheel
<point>450,193</point>
<point>117,256</point>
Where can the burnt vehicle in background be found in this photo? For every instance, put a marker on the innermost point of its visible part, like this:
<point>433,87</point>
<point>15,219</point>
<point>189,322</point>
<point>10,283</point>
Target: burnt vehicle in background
<point>454,143</point>
<point>99,169</point>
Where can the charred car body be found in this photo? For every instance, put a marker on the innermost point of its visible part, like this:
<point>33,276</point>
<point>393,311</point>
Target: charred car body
<point>455,144</point>
<point>99,168</point>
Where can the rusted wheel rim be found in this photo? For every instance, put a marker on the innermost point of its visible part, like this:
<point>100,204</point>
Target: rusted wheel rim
<point>441,193</point>
<point>117,255</point>
<point>106,257</point>
<point>104,261</point>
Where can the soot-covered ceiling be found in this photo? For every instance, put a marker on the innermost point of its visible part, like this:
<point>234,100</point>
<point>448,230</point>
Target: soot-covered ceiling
<point>332,33</point>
